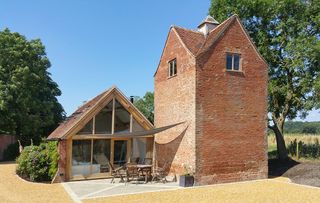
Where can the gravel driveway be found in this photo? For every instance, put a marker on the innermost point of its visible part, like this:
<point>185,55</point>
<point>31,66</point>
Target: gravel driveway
<point>15,189</point>
<point>305,173</point>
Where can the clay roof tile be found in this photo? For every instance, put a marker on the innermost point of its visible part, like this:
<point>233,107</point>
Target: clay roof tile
<point>74,118</point>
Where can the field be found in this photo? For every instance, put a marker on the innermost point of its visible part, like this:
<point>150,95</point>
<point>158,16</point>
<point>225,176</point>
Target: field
<point>305,138</point>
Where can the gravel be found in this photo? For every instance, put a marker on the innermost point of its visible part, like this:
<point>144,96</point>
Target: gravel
<point>271,190</point>
<point>15,189</point>
<point>305,173</point>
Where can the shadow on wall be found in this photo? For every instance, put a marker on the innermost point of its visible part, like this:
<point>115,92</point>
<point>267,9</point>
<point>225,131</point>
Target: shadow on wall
<point>166,152</point>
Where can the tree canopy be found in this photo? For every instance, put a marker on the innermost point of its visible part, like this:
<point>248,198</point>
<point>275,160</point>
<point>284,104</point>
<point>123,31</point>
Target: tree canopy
<point>286,32</point>
<point>299,127</point>
<point>28,104</point>
<point>146,105</point>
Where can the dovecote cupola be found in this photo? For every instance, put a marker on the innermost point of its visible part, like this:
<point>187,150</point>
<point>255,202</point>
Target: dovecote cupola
<point>208,24</point>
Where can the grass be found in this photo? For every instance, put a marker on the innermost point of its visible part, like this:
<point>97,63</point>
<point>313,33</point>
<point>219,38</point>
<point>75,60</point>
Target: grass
<point>305,138</point>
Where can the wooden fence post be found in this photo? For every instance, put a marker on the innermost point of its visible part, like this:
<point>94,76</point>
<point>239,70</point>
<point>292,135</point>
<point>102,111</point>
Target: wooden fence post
<point>297,150</point>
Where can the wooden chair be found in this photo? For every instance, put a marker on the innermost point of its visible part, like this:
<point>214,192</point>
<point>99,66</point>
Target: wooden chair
<point>132,173</point>
<point>117,173</point>
<point>103,161</point>
<point>159,173</point>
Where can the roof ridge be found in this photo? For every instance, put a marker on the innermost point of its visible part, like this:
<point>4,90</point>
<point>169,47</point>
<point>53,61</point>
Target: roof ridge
<point>88,101</point>
<point>220,24</point>
<point>226,24</point>
<point>197,32</point>
<point>181,41</point>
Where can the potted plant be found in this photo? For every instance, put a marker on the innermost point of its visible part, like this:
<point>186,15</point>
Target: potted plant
<point>186,179</point>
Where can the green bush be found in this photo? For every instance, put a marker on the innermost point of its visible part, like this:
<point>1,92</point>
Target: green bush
<point>38,163</point>
<point>300,149</point>
<point>54,158</point>
<point>11,152</point>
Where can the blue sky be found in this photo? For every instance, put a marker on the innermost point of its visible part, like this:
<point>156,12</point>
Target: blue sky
<point>93,45</point>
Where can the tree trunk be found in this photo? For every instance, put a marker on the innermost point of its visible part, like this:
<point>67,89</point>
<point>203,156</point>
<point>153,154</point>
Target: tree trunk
<point>281,146</point>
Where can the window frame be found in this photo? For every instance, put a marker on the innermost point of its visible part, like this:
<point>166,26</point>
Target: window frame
<point>113,122</point>
<point>172,70</point>
<point>233,54</point>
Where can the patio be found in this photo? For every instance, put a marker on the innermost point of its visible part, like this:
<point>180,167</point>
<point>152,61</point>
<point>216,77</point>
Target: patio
<point>80,190</point>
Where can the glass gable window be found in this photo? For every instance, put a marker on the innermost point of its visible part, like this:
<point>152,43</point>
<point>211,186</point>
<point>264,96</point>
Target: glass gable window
<point>121,119</point>
<point>233,61</point>
<point>103,120</point>
<point>136,126</point>
<point>105,123</point>
<point>172,67</point>
<point>87,129</point>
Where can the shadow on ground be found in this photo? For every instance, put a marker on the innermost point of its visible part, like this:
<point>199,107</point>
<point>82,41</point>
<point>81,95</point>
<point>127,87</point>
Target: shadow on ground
<point>305,173</point>
<point>278,167</point>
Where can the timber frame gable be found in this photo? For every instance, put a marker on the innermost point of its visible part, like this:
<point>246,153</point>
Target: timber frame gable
<point>89,111</point>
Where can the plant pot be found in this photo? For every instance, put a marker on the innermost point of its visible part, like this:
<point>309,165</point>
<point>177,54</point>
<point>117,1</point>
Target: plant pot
<point>186,181</point>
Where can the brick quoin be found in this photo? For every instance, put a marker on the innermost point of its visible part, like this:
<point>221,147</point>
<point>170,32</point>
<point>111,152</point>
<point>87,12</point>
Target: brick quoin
<point>224,137</point>
<point>175,102</point>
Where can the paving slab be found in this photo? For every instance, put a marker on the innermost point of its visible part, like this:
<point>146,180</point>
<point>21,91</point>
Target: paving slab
<point>80,190</point>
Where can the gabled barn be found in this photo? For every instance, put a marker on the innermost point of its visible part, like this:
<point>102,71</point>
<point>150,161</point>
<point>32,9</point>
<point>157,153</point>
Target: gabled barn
<point>108,128</point>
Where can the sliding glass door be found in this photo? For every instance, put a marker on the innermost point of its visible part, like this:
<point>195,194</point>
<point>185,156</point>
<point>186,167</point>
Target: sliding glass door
<point>90,157</point>
<point>81,157</point>
<point>94,157</point>
<point>101,155</point>
<point>120,152</point>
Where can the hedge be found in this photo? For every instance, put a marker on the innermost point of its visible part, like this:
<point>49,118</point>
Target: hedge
<point>301,149</point>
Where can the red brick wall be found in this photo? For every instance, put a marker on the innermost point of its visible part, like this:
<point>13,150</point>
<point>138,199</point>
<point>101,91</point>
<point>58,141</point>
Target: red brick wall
<point>231,113</point>
<point>62,164</point>
<point>175,102</point>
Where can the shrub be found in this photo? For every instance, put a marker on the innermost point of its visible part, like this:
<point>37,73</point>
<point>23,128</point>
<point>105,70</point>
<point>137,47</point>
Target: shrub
<point>54,158</point>
<point>310,150</point>
<point>11,152</point>
<point>38,163</point>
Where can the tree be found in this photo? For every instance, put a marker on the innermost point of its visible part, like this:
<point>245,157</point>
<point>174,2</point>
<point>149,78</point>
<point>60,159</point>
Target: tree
<point>309,129</point>
<point>29,108</point>
<point>146,105</point>
<point>286,33</point>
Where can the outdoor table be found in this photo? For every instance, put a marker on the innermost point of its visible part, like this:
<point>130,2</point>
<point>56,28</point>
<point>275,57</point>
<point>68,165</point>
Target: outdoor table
<point>145,168</point>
